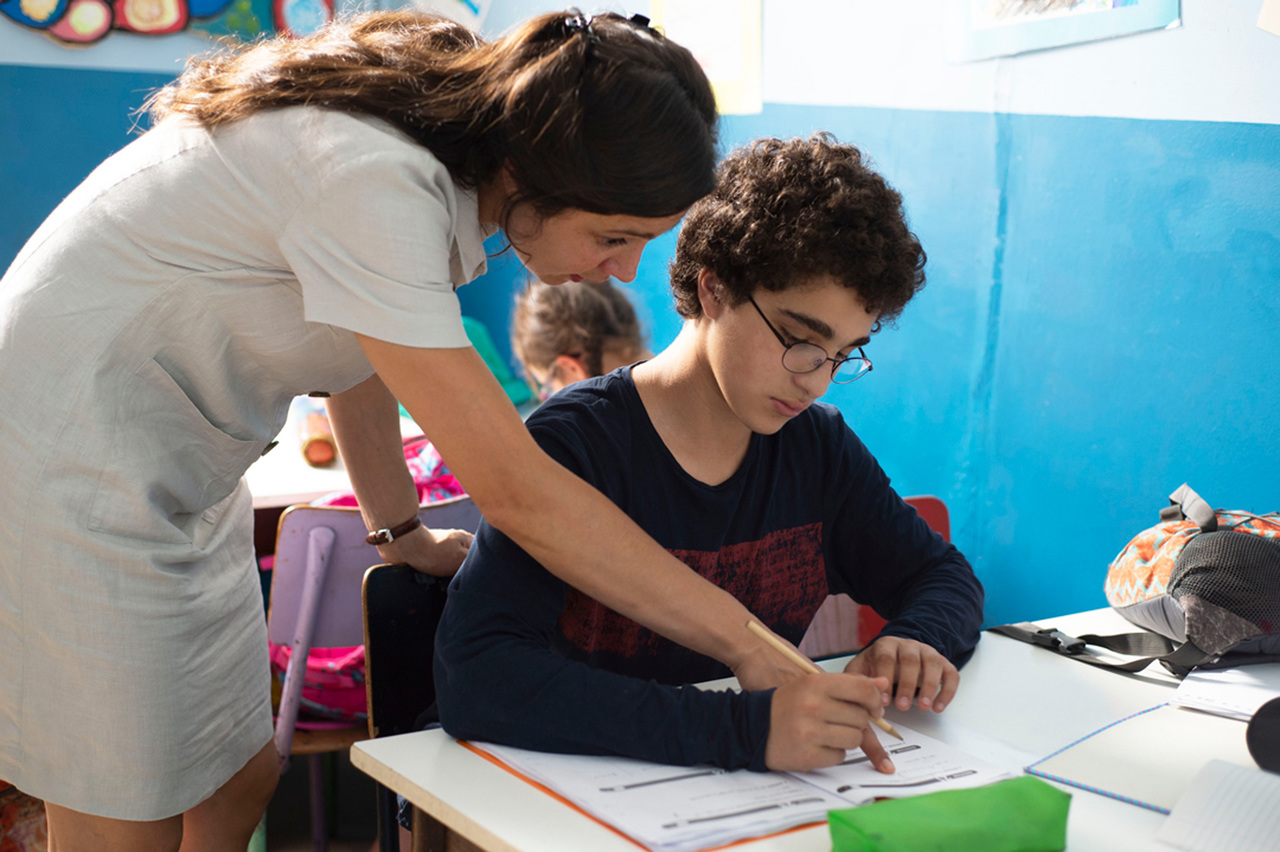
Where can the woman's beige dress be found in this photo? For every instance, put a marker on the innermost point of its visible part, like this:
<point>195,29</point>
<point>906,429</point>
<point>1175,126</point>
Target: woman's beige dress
<point>152,334</point>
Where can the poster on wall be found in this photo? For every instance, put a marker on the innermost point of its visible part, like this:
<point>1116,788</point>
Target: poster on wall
<point>982,29</point>
<point>724,36</point>
<point>1269,17</point>
<point>79,23</point>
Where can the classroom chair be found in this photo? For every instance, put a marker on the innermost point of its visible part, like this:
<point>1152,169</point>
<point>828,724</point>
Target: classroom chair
<point>402,608</point>
<point>401,611</point>
<point>316,585</point>
<point>841,625</point>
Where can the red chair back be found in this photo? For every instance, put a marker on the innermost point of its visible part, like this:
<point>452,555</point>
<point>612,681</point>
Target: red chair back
<point>935,514</point>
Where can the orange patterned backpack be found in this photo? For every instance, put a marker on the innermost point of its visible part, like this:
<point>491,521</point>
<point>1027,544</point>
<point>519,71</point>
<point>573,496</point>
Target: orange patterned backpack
<point>1208,578</point>
<point>1204,582</point>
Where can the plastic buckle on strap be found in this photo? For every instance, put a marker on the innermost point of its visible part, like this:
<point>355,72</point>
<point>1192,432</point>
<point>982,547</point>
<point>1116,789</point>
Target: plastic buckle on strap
<point>1058,641</point>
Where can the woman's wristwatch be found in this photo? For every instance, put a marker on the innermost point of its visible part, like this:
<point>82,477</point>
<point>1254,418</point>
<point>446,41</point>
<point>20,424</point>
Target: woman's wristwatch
<point>386,535</point>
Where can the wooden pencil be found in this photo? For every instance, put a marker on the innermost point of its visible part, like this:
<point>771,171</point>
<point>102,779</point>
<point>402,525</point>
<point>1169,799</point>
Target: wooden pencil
<point>808,665</point>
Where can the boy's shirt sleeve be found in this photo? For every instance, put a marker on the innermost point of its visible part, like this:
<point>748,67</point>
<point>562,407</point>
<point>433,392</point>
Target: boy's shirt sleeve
<point>499,679</point>
<point>886,556</point>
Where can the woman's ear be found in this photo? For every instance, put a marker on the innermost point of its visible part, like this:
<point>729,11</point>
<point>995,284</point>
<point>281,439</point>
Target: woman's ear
<point>709,290</point>
<point>493,196</point>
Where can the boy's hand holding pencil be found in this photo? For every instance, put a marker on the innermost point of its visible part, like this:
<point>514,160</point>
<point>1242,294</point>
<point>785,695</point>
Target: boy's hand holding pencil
<point>814,721</point>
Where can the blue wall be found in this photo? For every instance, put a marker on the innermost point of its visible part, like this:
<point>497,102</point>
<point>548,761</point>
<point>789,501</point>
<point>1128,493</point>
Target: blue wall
<point>59,123</point>
<point>1101,323</point>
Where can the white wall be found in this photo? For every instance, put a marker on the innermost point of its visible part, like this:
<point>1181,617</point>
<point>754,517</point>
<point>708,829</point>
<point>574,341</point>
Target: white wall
<point>1218,66</point>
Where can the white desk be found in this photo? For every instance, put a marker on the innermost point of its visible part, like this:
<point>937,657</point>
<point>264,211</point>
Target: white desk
<point>1016,703</point>
<point>283,478</point>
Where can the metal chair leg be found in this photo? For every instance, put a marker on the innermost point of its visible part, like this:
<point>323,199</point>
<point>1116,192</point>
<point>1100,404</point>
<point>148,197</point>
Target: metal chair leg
<point>388,825</point>
<point>319,825</point>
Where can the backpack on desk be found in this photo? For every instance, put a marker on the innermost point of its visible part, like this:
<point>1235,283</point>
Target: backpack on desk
<point>1206,582</point>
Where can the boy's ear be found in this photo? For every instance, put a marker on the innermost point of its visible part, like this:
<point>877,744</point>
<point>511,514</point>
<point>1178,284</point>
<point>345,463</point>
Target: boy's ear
<point>569,369</point>
<point>709,289</point>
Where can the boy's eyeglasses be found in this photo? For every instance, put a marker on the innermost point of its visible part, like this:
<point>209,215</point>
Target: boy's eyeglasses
<point>802,357</point>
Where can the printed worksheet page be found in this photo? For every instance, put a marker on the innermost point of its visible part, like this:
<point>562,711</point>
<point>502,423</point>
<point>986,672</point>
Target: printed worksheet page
<point>676,809</point>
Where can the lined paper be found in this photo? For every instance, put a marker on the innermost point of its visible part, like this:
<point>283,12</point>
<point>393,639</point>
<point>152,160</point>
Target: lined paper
<point>1227,808</point>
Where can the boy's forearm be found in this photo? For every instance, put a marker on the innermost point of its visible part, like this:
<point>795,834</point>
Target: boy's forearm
<point>944,611</point>
<point>581,710</point>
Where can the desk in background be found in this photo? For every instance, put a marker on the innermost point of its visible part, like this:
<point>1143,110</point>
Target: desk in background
<point>1017,703</point>
<point>282,478</point>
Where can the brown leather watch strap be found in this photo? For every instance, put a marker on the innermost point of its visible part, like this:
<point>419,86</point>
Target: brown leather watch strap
<point>386,535</point>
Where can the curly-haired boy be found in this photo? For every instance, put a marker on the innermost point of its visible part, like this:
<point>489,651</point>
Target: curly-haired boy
<point>719,449</point>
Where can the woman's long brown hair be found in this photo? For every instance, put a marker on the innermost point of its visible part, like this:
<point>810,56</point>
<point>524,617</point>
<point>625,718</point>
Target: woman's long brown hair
<point>601,114</point>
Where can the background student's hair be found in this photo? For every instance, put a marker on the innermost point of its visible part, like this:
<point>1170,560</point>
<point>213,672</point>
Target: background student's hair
<point>784,211</point>
<point>619,145</point>
<point>579,319</point>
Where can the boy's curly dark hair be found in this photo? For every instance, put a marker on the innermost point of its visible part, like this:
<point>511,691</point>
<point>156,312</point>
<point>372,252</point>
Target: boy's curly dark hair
<point>784,212</point>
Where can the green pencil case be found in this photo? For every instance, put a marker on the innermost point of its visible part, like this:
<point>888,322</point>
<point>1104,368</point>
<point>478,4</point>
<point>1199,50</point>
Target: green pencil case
<point>1021,814</point>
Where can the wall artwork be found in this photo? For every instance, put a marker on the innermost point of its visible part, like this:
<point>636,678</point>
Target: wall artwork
<point>83,22</point>
<point>725,37</point>
<point>982,29</point>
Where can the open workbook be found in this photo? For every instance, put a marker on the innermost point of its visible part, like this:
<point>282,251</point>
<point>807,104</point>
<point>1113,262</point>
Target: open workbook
<point>681,808</point>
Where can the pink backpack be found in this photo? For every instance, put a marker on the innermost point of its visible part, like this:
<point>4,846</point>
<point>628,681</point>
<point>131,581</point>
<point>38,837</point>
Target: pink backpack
<point>333,690</point>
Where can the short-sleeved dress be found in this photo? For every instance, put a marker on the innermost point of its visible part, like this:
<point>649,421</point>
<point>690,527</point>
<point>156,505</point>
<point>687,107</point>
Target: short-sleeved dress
<point>152,334</point>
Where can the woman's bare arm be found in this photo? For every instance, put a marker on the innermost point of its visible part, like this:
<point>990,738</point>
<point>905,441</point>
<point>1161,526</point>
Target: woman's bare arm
<point>526,494</point>
<point>366,425</point>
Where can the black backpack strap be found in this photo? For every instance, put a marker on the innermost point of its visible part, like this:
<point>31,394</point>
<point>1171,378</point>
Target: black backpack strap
<point>1178,659</point>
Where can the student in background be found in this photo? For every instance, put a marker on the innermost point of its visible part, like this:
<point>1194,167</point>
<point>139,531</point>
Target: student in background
<point>718,448</point>
<point>561,334</point>
<point>297,220</point>
<point>574,331</point>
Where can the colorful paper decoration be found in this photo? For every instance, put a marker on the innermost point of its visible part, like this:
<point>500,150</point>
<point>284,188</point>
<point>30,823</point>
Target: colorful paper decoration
<point>35,13</point>
<point>82,22</point>
<point>151,17</point>
<point>85,22</point>
<point>301,16</point>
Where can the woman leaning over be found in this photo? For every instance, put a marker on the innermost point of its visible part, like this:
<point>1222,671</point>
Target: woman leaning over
<point>297,221</point>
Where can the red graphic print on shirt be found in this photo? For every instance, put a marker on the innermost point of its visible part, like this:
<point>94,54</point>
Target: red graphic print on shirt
<point>782,579</point>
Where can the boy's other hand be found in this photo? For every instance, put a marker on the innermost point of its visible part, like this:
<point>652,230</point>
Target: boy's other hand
<point>436,552</point>
<point>914,669</point>
<point>815,718</point>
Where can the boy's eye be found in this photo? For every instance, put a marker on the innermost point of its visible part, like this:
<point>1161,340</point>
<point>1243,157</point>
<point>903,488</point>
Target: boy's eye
<point>613,242</point>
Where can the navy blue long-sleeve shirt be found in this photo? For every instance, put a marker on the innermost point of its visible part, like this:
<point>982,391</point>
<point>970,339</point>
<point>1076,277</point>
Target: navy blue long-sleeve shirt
<point>526,660</point>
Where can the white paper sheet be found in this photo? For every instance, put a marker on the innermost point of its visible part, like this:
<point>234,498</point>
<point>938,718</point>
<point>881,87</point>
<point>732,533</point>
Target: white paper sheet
<point>1227,808</point>
<point>1236,693</point>
<point>677,809</point>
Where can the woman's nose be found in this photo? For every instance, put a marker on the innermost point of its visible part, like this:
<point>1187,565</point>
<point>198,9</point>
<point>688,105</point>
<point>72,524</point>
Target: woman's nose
<point>623,266</point>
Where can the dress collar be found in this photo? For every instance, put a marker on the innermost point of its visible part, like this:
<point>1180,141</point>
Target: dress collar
<point>469,260</point>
